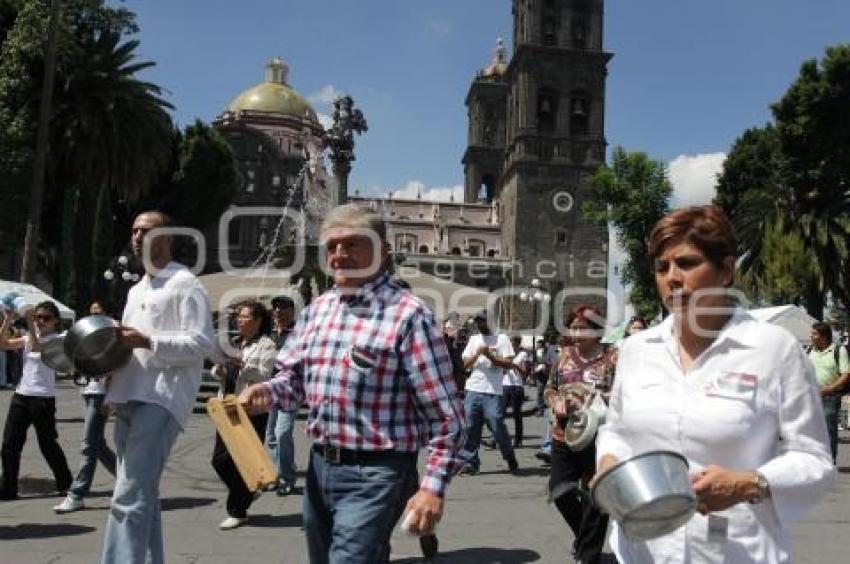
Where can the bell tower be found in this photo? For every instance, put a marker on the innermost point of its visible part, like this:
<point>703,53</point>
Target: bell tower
<point>555,109</point>
<point>486,105</point>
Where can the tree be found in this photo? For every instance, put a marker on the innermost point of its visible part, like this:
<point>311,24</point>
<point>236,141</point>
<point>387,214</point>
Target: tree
<point>787,270</point>
<point>813,123</point>
<point>200,181</point>
<point>633,193</point>
<point>796,173</point>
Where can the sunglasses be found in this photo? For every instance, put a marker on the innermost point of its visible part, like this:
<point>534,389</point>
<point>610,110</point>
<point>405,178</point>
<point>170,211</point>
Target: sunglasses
<point>43,317</point>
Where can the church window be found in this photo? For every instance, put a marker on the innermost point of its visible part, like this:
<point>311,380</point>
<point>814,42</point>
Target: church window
<point>405,242</point>
<point>423,249</point>
<point>560,238</point>
<point>492,253</point>
<point>547,110</point>
<point>579,32</point>
<point>456,251</point>
<point>234,232</point>
<point>550,23</point>
<point>579,114</point>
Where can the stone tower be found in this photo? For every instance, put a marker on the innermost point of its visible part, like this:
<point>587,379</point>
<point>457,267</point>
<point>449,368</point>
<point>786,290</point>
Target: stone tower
<point>554,139</point>
<point>487,106</point>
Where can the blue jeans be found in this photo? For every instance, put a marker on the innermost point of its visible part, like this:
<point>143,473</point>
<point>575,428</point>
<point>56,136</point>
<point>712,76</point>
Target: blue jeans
<point>144,435</point>
<point>281,444</point>
<point>547,432</point>
<point>94,447</point>
<point>350,510</point>
<point>489,408</point>
<point>831,409</point>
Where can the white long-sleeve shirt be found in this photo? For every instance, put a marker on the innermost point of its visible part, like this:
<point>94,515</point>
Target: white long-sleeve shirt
<point>749,402</point>
<point>173,310</point>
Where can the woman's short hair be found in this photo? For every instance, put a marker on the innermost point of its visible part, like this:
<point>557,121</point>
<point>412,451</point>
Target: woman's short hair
<point>49,306</point>
<point>705,227</point>
<point>354,216</point>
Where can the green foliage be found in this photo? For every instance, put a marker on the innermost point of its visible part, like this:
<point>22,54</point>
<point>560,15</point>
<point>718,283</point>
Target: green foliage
<point>633,193</point>
<point>787,270</point>
<point>20,77</point>
<point>200,181</point>
<point>796,173</point>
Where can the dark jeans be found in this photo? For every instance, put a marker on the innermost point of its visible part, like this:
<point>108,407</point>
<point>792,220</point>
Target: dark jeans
<point>573,501</point>
<point>40,413</point>
<point>540,378</point>
<point>350,510</point>
<point>239,497</point>
<point>513,399</point>
<point>832,409</point>
<point>489,408</point>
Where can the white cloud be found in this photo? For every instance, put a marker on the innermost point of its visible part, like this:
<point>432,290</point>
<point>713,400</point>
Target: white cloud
<point>415,187</point>
<point>694,178</point>
<point>439,27</point>
<point>325,96</point>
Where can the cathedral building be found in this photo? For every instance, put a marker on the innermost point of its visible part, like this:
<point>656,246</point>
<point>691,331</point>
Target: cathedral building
<point>535,136</point>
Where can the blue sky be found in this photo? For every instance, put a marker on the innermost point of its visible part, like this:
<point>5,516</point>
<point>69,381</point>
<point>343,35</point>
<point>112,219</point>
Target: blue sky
<point>687,77</point>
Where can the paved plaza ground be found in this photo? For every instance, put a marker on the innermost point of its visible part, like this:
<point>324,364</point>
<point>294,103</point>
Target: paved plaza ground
<point>490,518</point>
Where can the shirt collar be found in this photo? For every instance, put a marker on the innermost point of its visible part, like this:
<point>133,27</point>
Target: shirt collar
<point>739,328</point>
<point>365,292</point>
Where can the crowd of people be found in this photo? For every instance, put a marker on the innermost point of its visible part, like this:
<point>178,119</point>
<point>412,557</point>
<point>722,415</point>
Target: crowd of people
<point>753,413</point>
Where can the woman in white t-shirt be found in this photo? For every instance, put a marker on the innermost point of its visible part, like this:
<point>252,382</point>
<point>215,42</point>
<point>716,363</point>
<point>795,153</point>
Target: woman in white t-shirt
<point>34,401</point>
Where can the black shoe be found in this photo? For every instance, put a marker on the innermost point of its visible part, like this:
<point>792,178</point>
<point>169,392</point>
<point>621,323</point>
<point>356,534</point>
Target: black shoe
<point>8,496</point>
<point>285,488</point>
<point>517,444</point>
<point>543,456</point>
<point>513,467</point>
<point>430,547</point>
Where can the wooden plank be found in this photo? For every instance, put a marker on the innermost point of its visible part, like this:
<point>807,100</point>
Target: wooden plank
<point>243,444</point>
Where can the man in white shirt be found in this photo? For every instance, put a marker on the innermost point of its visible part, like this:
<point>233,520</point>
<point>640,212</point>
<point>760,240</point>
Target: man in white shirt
<point>167,322</point>
<point>488,356</point>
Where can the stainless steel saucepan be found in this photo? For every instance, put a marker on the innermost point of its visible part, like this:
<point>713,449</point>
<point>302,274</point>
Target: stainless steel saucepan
<point>53,355</point>
<point>94,345</point>
<point>650,494</point>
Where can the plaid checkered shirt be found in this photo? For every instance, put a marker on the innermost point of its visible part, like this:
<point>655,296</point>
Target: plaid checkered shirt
<point>376,375</point>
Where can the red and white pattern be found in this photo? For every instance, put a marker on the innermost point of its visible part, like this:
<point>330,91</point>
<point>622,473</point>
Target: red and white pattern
<point>376,375</point>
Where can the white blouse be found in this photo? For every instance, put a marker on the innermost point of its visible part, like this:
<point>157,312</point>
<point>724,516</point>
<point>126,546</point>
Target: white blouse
<point>749,402</point>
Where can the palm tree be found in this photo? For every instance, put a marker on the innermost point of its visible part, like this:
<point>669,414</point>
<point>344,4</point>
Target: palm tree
<point>110,132</point>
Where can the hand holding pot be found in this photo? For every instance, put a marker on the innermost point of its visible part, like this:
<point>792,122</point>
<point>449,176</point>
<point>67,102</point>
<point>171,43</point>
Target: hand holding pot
<point>719,488</point>
<point>133,339</point>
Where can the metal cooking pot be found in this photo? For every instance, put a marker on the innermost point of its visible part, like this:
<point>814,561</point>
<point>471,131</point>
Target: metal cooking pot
<point>94,345</point>
<point>650,494</point>
<point>53,355</point>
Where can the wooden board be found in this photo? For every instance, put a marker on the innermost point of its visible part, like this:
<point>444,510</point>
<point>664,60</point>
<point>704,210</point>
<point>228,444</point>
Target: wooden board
<point>243,444</point>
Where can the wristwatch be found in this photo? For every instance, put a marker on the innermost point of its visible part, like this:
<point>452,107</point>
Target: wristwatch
<point>762,488</point>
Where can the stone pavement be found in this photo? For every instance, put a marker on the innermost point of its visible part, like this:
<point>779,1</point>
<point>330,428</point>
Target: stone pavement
<point>490,518</point>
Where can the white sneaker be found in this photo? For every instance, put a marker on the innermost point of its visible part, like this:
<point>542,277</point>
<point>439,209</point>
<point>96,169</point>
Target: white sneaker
<point>232,523</point>
<point>69,505</point>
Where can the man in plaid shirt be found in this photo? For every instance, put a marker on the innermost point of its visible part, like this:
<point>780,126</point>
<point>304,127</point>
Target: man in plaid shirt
<point>369,359</point>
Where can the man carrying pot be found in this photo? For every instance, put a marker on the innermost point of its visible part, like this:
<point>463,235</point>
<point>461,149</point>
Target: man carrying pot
<point>167,323</point>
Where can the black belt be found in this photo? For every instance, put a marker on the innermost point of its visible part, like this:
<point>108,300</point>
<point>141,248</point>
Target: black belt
<point>337,455</point>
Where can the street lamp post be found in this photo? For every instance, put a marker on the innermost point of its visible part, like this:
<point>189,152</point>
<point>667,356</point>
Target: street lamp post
<point>536,295</point>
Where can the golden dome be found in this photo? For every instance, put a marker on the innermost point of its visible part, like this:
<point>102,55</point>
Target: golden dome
<point>274,96</point>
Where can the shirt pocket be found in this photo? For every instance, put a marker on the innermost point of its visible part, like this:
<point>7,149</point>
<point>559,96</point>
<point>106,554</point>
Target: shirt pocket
<point>369,369</point>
